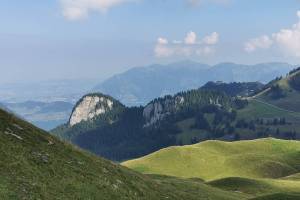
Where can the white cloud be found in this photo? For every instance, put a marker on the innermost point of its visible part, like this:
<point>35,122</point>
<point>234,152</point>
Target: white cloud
<point>211,39</point>
<point>286,40</point>
<point>162,41</point>
<point>190,38</point>
<point>190,46</point>
<point>77,9</point>
<point>263,42</point>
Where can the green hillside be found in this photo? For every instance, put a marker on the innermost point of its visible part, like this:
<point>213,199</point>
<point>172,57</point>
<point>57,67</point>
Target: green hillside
<point>283,92</point>
<point>265,158</point>
<point>260,168</point>
<point>35,165</point>
<point>274,111</point>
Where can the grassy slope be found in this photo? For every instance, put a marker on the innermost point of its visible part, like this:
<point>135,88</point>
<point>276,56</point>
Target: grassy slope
<point>266,158</point>
<point>290,102</point>
<point>35,165</point>
<point>260,109</point>
<point>256,168</point>
<point>263,107</point>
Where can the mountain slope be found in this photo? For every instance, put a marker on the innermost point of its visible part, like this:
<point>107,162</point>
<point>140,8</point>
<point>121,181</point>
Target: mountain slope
<point>140,85</point>
<point>275,109</point>
<point>35,165</point>
<point>283,92</point>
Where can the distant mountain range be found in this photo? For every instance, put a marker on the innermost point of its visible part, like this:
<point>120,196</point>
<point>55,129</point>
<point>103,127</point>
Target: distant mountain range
<point>140,85</point>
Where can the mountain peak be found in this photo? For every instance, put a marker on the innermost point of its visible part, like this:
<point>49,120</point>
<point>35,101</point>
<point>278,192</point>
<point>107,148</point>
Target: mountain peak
<point>90,106</point>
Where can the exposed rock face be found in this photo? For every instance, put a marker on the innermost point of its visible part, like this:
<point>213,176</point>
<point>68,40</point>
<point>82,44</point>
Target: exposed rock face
<point>157,110</point>
<point>89,108</point>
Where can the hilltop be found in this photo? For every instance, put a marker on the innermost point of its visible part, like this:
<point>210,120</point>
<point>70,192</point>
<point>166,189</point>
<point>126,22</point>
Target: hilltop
<point>35,165</point>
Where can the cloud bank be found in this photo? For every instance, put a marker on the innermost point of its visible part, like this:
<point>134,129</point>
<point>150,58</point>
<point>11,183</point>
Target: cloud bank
<point>189,46</point>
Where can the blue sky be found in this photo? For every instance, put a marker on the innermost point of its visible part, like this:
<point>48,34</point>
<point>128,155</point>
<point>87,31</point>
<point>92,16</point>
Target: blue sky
<point>56,39</point>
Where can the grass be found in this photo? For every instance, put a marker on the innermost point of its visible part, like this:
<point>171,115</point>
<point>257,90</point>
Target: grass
<point>258,109</point>
<point>35,165</point>
<point>265,158</point>
<point>290,101</point>
<point>279,196</point>
<point>259,168</point>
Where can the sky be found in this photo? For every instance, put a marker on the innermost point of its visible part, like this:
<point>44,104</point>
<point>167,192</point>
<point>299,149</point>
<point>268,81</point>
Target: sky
<point>94,39</point>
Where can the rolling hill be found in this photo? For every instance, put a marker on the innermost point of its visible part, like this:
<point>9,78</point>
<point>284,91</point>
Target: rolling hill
<point>264,158</point>
<point>35,165</point>
<point>140,85</point>
<point>267,168</point>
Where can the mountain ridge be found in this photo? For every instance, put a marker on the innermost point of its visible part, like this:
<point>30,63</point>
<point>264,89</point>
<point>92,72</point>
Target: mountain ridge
<point>159,80</point>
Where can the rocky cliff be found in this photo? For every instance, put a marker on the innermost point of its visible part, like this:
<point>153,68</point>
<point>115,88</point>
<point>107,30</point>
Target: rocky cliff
<point>91,106</point>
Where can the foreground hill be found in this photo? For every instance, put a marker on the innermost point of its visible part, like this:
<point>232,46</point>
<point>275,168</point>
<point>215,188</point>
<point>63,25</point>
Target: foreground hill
<point>138,86</point>
<point>267,168</point>
<point>35,165</point>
